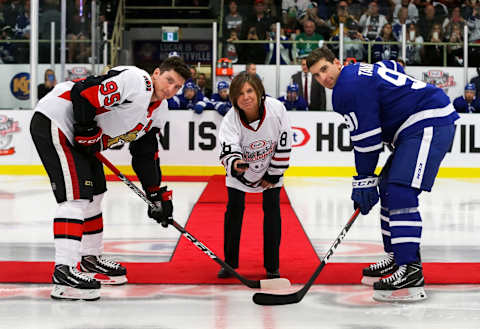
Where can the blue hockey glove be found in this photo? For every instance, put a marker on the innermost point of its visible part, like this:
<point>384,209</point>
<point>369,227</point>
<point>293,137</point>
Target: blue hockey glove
<point>198,108</point>
<point>365,192</point>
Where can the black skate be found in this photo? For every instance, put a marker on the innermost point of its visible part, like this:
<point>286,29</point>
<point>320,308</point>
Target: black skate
<point>376,271</point>
<point>405,285</point>
<point>103,269</point>
<point>71,284</point>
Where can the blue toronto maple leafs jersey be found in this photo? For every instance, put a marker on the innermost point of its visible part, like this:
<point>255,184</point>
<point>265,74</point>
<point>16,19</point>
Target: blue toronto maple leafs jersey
<point>382,105</point>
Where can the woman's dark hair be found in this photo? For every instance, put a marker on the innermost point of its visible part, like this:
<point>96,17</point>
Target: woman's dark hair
<point>237,84</point>
<point>178,65</point>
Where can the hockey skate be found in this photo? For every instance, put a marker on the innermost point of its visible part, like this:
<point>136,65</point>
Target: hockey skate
<point>405,285</point>
<point>376,271</point>
<point>103,269</point>
<point>71,284</point>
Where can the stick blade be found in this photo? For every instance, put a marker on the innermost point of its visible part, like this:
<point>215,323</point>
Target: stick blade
<point>275,284</point>
<point>261,298</point>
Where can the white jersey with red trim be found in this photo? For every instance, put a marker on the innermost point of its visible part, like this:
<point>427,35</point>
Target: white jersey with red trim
<point>264,144</point>
<point>122,102</point>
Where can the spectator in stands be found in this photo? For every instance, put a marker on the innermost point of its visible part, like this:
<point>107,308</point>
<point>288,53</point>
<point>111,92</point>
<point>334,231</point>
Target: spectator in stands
<point>260,20</point>
<point>202,85</point>
<point>398,22</point>
<point>342,16</point>
<point>385,7</point>
<point>293,101</point>
<point>372,22</point>
<point>415,48</point>
<point>230,49</point>
<point>78,30</point>
<point>296,9</point>
<point>309,35</point>
<point>385,51</point>
<point>412,10</point>
<point>352,50</point>
<point>434,53</point>
<point>11,10</point>
<point>467,8</point>
<point>49,81</point>
<point>455,52</point>
<point>193,71</point>
<point>455,18</point>
<point>321,24</point>
<point>426,23</point>
<point>233,20</point>
<point>7,49</point>
<point>271,10</point>
<point>467,103</point>
<point>310,89</point>
<point>271,48</point>
<point>22,22</point>
<point>191,98</point>
<point>220,101</point>
<point>476,82</point>
<point>473,23</point>
<point>252,52</point>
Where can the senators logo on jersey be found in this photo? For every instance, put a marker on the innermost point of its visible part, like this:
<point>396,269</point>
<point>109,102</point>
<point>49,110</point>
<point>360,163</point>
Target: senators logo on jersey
<point>130,136</point>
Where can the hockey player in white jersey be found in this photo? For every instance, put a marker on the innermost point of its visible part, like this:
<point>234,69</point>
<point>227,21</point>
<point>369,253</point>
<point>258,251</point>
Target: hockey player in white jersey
<point>73,122</point>
<point>256,143</point>
<point>416,119</point>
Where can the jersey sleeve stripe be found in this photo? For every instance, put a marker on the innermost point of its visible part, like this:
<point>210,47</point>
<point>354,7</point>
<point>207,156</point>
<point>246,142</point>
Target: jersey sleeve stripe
<point>283,151</point>
<point>368,148</point>
<point>366,134</point>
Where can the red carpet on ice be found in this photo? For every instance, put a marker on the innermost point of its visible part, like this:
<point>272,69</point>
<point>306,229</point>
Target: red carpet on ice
<point>189,265</point>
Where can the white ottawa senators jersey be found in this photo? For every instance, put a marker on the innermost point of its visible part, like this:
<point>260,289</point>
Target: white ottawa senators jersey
<point>265,144</point>
<point>122,103</point>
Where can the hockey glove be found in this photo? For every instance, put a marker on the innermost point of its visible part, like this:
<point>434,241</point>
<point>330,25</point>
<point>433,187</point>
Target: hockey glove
<point>162,199</point>
<point>198,108</point>
<point>364,192</point>
<point>88,137</point>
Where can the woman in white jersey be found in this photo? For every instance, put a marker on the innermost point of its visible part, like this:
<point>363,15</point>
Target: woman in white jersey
<point>256,145</point>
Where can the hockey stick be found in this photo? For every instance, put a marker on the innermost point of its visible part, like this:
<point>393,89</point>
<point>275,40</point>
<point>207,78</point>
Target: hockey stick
<point>274,299</point>
<point>273,284</point>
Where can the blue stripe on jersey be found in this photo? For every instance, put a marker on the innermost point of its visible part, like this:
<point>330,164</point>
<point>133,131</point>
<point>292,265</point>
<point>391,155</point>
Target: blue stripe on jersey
<point>380,98</point>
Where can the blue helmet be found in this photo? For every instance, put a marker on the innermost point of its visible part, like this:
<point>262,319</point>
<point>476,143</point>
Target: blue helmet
<point>293,88</point>
<point>222,85</point>
<point>173,53</point>
<point>470,86</point>
<point>190,85</point>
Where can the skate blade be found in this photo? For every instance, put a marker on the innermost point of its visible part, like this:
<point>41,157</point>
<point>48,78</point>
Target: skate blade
<point>70,293</point>
<point>370,280</point>
<point>406,295</point>
<point>108,280</point>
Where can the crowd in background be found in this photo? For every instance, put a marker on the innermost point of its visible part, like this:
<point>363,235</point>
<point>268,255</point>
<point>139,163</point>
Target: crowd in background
<point>364,20</point>
<point>15,25</point>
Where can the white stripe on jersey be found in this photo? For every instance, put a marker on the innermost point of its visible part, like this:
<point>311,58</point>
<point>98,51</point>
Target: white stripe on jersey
<point>422,157</point>
<point>368,148</point>
<point>366,134</point>
<point>405,240</point>
<point>63,162</point>
<point>422,115</point>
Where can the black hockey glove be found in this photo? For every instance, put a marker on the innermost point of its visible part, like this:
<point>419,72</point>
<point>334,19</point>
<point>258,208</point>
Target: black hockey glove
<point>162,199</point>
<point>273,179</point>
<point>88,137</point>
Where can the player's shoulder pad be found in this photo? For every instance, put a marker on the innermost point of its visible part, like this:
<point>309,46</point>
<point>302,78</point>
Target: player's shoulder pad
<point>137,77</point>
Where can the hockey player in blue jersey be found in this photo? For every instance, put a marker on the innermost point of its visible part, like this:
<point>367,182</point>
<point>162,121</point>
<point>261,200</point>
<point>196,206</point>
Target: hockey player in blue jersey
<point>293,102</point>
<point>191,98</point>
<point>220,101</point>
<point>384,106</point>
<point>467,103</point>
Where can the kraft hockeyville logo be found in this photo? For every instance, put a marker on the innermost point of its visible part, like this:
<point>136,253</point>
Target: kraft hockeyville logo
<point>8,127</point>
